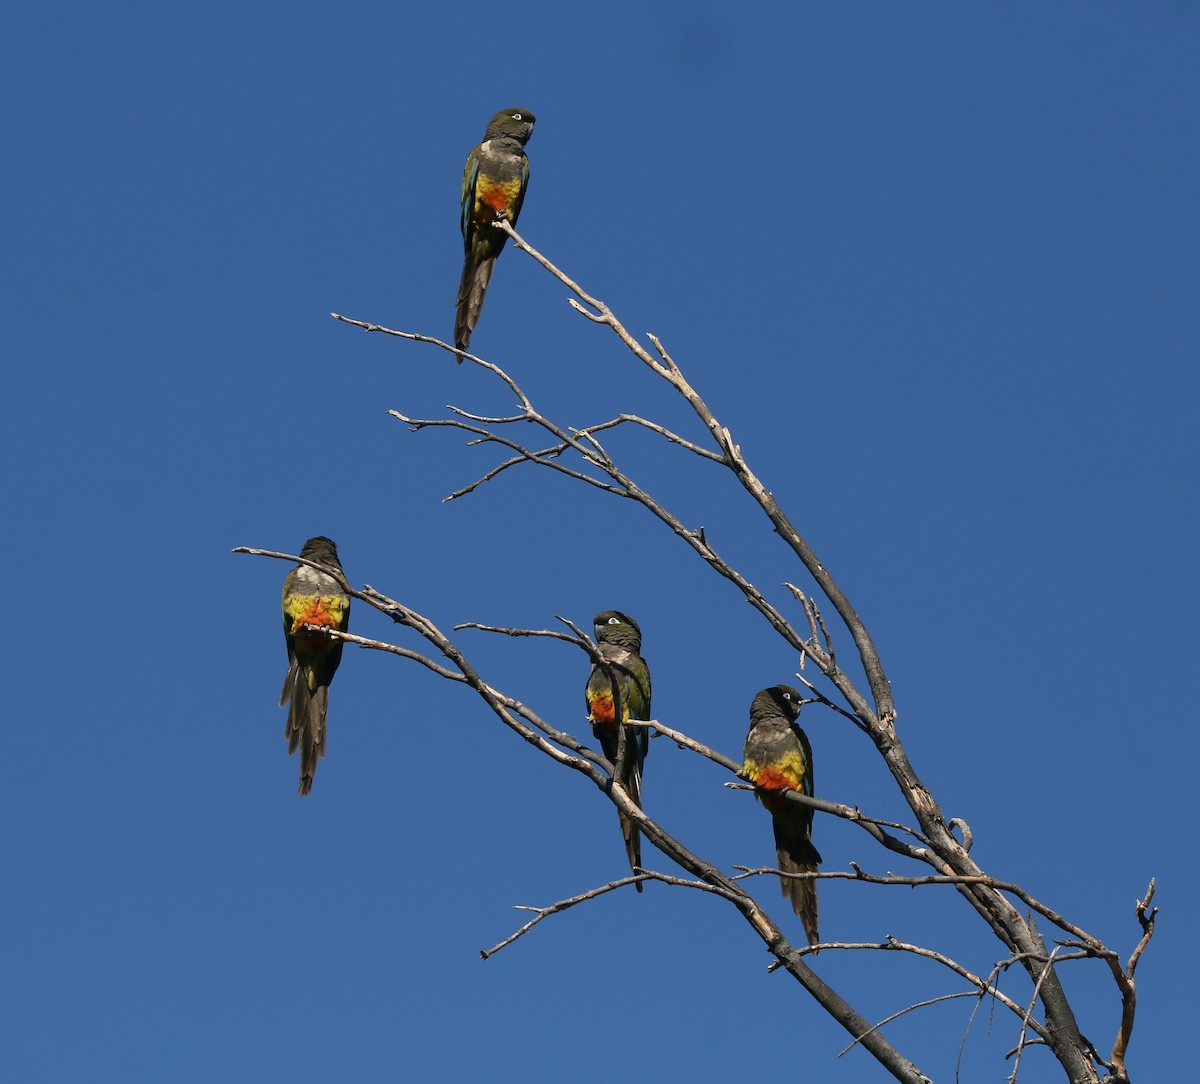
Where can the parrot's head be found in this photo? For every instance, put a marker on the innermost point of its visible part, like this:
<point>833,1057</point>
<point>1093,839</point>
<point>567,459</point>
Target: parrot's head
<point>517,123</point>
<point>321,549</point>
<point>614,627</point>
<point>775,701</point>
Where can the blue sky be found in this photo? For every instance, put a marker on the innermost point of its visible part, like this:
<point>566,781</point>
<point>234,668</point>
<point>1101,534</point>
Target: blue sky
<point>934,265</point>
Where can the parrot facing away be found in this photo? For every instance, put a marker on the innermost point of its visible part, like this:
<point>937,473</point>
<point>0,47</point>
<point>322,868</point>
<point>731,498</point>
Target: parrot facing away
<point>494,182</point>
<point>778,758</point>
<point>619,640</point>
<point>311,597</point>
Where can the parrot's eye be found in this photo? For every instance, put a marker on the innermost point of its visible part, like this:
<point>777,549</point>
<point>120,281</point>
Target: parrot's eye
<point>516,116</point>
<point>787,696</point>
<point>614,620</point>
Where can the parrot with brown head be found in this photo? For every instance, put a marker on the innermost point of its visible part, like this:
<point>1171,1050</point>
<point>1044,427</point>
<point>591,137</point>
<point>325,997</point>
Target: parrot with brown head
<point>619,640</point>
<point>778,758</point>
<point>311,597</point>
<point>494,182</point>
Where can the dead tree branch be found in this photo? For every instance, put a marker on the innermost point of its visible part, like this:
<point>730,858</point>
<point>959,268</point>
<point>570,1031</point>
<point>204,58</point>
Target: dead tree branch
<point>872,711</point>
<point>569,752</point>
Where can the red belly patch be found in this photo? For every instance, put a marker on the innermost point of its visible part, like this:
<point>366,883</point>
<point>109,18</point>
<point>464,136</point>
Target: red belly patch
<point>769,778</point>
<point>315,613</point>
<point>497,197</point>
<point>601,708</point>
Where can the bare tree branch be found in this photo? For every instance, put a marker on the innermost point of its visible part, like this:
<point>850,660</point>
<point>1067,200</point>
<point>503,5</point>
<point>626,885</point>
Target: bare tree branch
<point>1145,915</point>
<point>591,894</point>
<point>908,1009</point>
<point>519,718</point>
<point>873,712</point>
<point>1028,1020</point>
<point>554,908</point>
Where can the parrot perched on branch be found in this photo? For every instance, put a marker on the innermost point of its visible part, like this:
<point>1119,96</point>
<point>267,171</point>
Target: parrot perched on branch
<point>494,182</point>
<point>620,643</point>
<point>779,758</point>
<point>311,598</point>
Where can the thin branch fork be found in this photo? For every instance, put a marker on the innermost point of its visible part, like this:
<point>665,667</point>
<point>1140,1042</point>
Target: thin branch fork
<point>554,908</point>
<point>1145,915</point>
<point>813,613</point>
<point>545,458</point>
<point>1091,946</point>
<point>983,987</point>
<point>508,630</point>
<point>896,1015</point>
<point>1046,970</point>
<point>654,427</point>
<point>563,905</point>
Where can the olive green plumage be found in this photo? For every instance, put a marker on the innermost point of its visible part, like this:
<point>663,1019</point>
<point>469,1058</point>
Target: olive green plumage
<point>778,758</point>
<point>311,597</point>
<point>619,640</point>
<point>494,181</point>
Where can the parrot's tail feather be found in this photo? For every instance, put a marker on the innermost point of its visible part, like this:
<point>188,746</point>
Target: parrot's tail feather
<point>289,685</point>
<point>471,288</point>
<point>802,892</point>
<point>312,742</point>
<point>795,854</point>
<point>305,728</point>
<point>295,690</point>
<point>633,838</point>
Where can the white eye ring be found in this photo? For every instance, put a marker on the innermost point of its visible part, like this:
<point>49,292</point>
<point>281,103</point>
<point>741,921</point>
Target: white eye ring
<point>787,696</point>
<point>517,116</point>
<point>614,620</point>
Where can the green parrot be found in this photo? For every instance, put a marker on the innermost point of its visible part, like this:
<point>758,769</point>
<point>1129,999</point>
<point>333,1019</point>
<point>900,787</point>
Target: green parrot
<point>494,182</point>
<point>620,642</point>
<point>311,598</point>
<point>778,758</point>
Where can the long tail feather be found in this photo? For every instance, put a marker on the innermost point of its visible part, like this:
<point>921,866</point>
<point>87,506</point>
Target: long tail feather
<point>795,854</point>
<point>305,727</point>
<point>633,838</point>
<point>471,288</point>
<point>312,741</point>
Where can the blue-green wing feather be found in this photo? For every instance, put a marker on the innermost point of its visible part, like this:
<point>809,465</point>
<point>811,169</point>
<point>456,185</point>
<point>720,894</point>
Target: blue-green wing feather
<point>470,177</point>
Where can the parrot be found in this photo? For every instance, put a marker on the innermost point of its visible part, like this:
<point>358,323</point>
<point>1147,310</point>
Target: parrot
<point>778,758</point>
<point>311,597</point>
<point>619,639</point>
<point>494,182</point>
